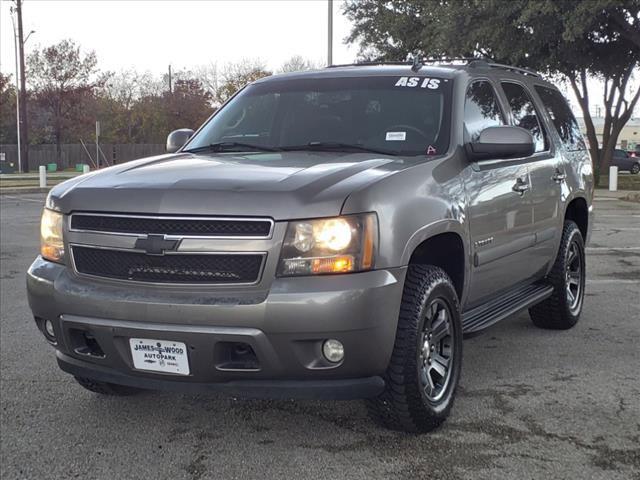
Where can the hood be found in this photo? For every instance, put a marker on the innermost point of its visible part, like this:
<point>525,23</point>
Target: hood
<point>278,185</point>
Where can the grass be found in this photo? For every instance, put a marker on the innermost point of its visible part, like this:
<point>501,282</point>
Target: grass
<point>625,182</point>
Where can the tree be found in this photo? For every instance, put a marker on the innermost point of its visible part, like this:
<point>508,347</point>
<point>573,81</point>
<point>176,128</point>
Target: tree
<point>576,40</point>
<point>234,76</point>
<point>297,63</point>
<point>63,80</point>
<point>8,131</point>
<point>188,105</point>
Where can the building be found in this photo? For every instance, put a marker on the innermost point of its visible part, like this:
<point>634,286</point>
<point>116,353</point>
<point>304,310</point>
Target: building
<point>629,136</point>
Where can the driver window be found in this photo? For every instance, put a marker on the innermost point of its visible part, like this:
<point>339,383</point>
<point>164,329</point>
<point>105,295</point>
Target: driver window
<point>481,110</point>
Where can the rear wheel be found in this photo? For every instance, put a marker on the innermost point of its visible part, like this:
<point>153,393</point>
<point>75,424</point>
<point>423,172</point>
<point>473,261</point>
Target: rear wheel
<point>424,369</point>
<point>104,388</point>
<point>635,168</point>
<point>562,310</point>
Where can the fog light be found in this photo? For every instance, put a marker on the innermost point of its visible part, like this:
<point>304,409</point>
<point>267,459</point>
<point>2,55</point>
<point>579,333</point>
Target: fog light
<point>48,328</point>
<point>333,350</point>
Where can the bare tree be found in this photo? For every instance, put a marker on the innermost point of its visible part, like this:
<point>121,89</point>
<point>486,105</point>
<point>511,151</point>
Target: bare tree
<point>234,76</point>
<point>297,63</point>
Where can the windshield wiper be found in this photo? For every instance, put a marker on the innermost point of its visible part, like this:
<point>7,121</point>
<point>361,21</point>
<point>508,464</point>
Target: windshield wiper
<point>337,146</point>
<point>227,146</point>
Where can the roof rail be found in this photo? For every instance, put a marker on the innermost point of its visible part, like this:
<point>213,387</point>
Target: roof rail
<point>364,64</point>
<point>471,61</point>
<point>523,71</point>
<point>409,62</point>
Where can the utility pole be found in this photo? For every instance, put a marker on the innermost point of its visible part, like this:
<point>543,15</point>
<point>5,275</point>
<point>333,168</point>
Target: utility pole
<point>330,35</point>
<point>24,127</point>
<point>170,86</point>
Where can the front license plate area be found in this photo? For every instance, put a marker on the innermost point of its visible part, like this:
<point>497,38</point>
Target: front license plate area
<point>164,356</point>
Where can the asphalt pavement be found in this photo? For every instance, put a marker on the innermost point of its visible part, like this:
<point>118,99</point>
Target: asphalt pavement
<point>532,403</point>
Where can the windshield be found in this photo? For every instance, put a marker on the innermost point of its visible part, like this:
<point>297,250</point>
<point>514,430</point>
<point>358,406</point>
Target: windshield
<point>394,115</point>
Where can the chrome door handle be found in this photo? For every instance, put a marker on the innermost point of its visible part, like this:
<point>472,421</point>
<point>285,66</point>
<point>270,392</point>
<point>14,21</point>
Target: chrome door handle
<point>559,177</point>
<point>520,187</point>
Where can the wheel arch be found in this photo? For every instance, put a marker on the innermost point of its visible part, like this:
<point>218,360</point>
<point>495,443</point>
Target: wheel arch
<point>578,211</point>
<point>447,251</point>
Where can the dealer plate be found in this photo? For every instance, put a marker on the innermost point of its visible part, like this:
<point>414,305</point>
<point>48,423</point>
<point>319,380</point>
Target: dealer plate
<point>159,355</point>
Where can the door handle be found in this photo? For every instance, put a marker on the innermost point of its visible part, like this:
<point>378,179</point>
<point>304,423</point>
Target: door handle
<point>521,186</point>
<point>559,177</point>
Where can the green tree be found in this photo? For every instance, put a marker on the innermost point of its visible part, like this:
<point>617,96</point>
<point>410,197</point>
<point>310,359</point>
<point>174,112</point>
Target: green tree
<point>575,40</point>
<point>63,81</point>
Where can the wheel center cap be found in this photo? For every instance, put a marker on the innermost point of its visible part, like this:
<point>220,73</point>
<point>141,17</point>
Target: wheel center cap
<point>426,348</point>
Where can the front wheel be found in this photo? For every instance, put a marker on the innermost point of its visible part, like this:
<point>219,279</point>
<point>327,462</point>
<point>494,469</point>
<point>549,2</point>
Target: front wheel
<point>424,369</point>
<point>635,168</point>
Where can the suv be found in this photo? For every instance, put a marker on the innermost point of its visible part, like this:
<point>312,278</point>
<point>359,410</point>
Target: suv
<point>326,234</point>
<point>625,161</point>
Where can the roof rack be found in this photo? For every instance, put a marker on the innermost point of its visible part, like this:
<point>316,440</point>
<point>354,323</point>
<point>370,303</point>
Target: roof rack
<point>524,71</point>
<point>471,61</point>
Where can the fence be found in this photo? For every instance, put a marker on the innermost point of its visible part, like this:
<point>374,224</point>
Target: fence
<point>74,153</point>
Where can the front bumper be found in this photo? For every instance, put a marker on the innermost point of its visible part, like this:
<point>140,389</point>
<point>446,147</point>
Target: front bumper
<point>285,327</point>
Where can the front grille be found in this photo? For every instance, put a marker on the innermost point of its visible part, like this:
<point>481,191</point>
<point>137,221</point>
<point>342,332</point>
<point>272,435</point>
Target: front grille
<point>171,268</point>
<point>196,227</point>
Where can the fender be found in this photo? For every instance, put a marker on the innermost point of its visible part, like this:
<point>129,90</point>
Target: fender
<point>448,225</point>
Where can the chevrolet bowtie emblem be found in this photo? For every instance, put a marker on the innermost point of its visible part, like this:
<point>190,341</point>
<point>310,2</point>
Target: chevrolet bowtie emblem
<point>156,244</point>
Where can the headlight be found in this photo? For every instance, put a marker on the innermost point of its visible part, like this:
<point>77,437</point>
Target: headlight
<point>329,245</point>
<point>51,243</point>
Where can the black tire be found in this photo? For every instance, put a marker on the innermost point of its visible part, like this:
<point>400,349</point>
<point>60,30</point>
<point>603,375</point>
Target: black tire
<point>635,168</point>
<point>405,404</point>
<point>562,310</point>
<point>104,388</point>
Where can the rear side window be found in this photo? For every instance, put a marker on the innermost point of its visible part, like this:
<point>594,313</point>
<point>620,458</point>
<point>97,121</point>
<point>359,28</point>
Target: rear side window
<point>481,110</point>
<point>525,114</point>
<point>562,118</point>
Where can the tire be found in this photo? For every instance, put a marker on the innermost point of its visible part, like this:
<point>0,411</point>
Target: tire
<point>635,168</point>
<point>410,402</point>
<point>562,310</point>
<point>104,388</point>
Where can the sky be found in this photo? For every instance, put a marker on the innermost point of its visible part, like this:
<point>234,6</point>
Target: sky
<point>150,35</point>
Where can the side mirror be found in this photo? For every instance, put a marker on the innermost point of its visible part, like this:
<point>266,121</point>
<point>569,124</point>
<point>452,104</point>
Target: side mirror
<point>502,142</point>
<point>177,138</point>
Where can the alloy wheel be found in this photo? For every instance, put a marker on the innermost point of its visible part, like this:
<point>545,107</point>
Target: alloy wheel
<point>436,350</point>
<point>574,277</point>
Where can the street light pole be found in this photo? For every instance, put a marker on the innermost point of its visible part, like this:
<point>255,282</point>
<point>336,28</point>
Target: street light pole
<point>24,130</point>
<point>15,43</point>
<point>330,34</point>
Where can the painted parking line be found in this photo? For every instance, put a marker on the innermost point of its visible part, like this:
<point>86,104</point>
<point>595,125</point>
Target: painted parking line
<point>600,281</point>
<point>618,229</point>
<point>26,199</point>
<point>608,249</point>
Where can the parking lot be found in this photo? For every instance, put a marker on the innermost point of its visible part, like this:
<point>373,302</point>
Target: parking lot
<point>532,403</point>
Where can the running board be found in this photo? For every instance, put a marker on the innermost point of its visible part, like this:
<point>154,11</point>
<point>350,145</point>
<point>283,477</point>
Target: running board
<point>487,314</point>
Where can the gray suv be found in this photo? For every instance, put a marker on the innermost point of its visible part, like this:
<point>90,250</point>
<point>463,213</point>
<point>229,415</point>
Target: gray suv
<point>326,234</point>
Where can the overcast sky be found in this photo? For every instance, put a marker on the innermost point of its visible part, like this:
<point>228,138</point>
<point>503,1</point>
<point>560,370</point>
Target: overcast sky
<point>150,35</point>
